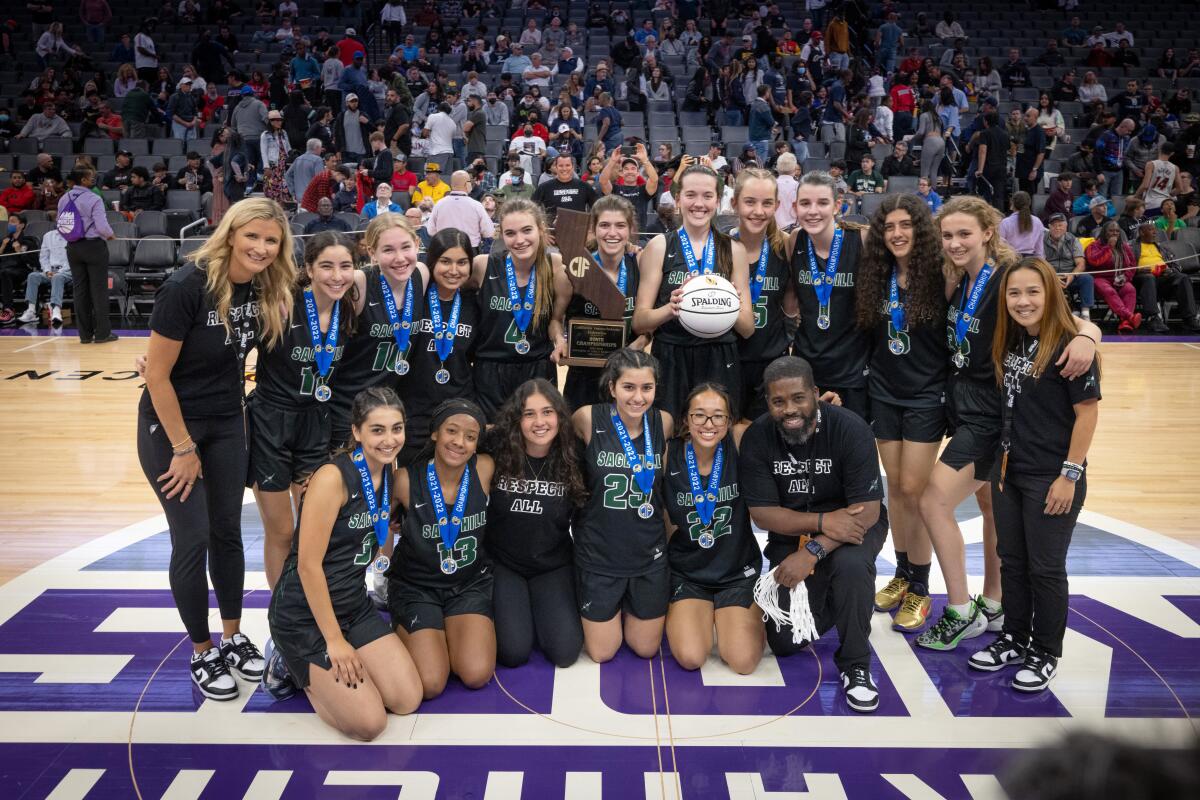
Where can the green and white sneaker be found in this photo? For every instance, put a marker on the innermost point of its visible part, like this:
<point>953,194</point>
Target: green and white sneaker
<point>953,628</point>
<point>995,619</point>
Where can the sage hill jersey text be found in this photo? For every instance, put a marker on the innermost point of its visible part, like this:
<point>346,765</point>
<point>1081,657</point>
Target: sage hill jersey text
<point>421,551</point>
<point>499,335</point>
<point>908,366</point>
<point>287,375</point>
<point>838,354</point>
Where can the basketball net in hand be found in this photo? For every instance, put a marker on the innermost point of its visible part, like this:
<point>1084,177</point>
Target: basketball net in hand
<point>797,615</point>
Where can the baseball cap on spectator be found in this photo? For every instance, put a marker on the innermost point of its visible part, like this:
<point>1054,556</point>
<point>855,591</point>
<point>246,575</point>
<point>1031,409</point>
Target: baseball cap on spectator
<point>816,35</point>
<point>400,158</point>
<point>351,96</point>
<point>183,80</point>
<point>359,54</point>
<point>629,160</point>
<point>1058,217</point>
<point>433,166</point>
<point>351,32</point>
<point>1149,133</point>
<point>563,128</point>
<point>274,115</point>
<point>1097,201</point>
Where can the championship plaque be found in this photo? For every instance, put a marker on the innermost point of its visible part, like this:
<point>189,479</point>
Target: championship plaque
<point>589,341</point>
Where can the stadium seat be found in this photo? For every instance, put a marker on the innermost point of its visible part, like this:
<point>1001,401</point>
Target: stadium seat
<point>139,147</point>
<point>183,200</point>
<point>150,223</point>
<point>167,147</point>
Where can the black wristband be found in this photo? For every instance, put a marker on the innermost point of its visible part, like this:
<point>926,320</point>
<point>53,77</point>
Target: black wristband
<point>1085,336</point>
<point>820,521</point>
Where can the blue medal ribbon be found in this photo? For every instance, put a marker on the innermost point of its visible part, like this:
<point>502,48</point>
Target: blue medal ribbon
<point>643,469</point>
<point>706,501</point>
<point>401,325</point>
<point>759,279</point>
<point>443,336</point>
<point>823,283</point>
<point>448,526</point>
<point>323,347</point>
<point>895,307</point>
<point>377,510</point>
<point>622,273</point>
<point>522,311</point>
<point>968,304</point>
<point>708,257</point>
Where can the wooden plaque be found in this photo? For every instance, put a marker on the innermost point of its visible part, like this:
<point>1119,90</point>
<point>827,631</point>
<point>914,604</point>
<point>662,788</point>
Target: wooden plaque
<point>591,341</point>
<point>570,233</point>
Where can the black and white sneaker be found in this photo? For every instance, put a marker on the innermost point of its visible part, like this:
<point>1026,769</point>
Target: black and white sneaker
<point>277,679</point>
<point>243,657</point>
<point>999,654</point>
<point>211,675</point>
<point>861,694</point>
<point>1037,671</point>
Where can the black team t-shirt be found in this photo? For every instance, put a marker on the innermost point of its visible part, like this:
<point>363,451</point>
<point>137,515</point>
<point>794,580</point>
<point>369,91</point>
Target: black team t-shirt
<point>638,195</point>
<point>838,354</point>
<point>914,377</point>
<point>573,194</point>
<point>529,518</point>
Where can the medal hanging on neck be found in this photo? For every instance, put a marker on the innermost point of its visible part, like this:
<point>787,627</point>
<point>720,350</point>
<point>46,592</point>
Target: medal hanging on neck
<point>707,258</point>
<point>443,335</point>
<point>966,313</point>
<point>622,272</point>
<point>378,509</point>
<point>642,468</point>
<point>823,282</point>
<point>323,347</point>
<point>898,341</point>
<point>448,525</point>
<point>522,311</point>
<point>706,500</point>
<point>401,323</point>
<point>759,279</point>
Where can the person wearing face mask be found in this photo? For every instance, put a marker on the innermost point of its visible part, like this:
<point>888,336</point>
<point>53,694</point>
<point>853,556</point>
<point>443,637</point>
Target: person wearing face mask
<point>16,263</point>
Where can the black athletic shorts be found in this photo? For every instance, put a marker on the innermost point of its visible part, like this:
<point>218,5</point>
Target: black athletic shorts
<point>893,423</point>
<point>496,381</point>
<point>286,446</point>
<point>299,640</point>
<point>602,596</point>
<point>416,608</point>
<point>754,399</point>
<point>685,368</point>
<point>973,414</point>
<point>582,387</point>
<point>739,593</point>
<point>855,400</point>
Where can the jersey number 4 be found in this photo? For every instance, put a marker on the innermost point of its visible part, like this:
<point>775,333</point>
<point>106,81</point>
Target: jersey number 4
<point>620,493</point>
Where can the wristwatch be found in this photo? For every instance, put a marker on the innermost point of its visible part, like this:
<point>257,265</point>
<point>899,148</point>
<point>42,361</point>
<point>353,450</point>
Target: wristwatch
<point>1071,471</point>
<point>814,547</point>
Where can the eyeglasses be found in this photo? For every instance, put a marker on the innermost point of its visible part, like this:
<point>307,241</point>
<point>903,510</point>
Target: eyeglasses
<point>700,419</point>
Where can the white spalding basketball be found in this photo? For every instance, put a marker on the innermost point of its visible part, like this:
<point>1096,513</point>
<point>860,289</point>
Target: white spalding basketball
<point>710,306</point>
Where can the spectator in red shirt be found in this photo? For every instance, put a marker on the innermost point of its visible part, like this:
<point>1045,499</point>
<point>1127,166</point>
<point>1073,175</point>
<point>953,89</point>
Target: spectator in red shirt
<point>904,102</point>
<point>19,196</point>
<point>348,45</point>
<point>403,178</point>
<point>109,122</point>
<point>324,184</point>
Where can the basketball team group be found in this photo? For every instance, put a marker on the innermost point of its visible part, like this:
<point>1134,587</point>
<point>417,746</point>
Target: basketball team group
<point>434,503</point>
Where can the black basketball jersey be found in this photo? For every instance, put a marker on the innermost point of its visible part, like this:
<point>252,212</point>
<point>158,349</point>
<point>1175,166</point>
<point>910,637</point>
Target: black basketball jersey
<point>734,553</point>
<point>838,355</point>
<point>420,551</point>
<point>419,389</point>
<point>286,374</point>
<point>675,274</point>
<point>770,339</point>
<point>908,366</point>
<point>610,536</point>
<point>499,336</point>
<point>581,307</point>
<point>529,520</point>
<point>370,354</point>
<point>352,545</point>
<point>977,344</point>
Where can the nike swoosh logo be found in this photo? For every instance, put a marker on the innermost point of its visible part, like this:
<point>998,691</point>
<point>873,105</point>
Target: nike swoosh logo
<point>296,326</point>
<point>601,430</point>
<point>729,366</point>
<point>420,505</point>
<point>675,472</point>
<point>354,496</point>
<point>372,305</point>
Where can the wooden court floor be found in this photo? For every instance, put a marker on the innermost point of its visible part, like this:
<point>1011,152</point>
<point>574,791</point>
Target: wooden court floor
<point>69,471</point>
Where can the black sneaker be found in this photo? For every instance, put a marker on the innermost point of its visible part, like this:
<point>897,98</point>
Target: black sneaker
<point>1037,671</point>
<point>211,675</point>
<point>861,694</point>
<point>999,654</point>
<point>243,657</point>
<point>1157,325</point>
<point>277,679</point>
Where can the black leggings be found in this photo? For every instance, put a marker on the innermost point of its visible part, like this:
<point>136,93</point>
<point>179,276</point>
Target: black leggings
<point>209,523</point>
<point>542,607</point>
<point>1033,559</point>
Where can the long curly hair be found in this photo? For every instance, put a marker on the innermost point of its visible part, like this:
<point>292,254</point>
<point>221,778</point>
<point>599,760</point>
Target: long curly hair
<point>925,297</point>
<point>999,253</point>
<point>507,446</point>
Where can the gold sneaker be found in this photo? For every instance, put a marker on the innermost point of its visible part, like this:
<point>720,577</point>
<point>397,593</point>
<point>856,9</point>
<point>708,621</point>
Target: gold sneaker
<point>890,596</point>
<point>913,613</point>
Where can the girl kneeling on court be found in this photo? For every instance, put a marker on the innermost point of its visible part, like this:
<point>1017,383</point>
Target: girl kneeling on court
<point>621,574</point>
<point>536,491</point>
<point>289,413</point>
<point>327,637</point>
<point>191,436</point>
<point>713,556</point>
<point>440,584</point>
<point>1038,485</point>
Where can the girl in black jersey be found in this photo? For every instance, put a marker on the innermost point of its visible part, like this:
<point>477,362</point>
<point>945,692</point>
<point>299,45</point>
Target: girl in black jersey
<point>1038,486</point>
<point>537,488</point>
<point>440,582</point>
<point>326,636</point>
<point>191,436</point>
<point>713,556</point>
<point>289,420</point>
<point>901,304</point>
<point>523,297</point>
<point>444,339</point>
<point>381,348</point>
<point>614,227</point>
<point>973,250</point>
<point>620,542</point>
<point>755,200</point>
<point>825,258</point>
<point>665,266</point>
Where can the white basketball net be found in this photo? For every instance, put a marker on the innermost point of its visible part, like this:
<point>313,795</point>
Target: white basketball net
<point>797,615</point>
